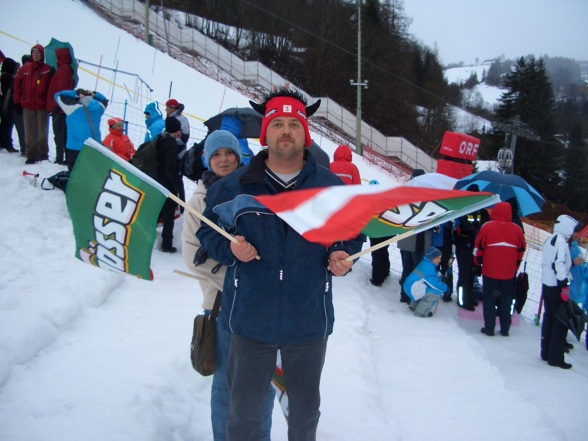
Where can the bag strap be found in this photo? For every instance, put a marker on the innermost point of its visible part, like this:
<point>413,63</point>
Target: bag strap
<point>90,121</point>
<point>217,304</point>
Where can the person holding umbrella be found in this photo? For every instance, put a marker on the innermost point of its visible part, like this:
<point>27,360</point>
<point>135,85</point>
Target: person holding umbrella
<point>62,80</point>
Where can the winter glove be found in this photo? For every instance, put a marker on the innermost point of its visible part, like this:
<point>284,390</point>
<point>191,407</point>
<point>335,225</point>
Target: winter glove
<point>562,283</point>
<point>18,108</point>
<point>200,257</point>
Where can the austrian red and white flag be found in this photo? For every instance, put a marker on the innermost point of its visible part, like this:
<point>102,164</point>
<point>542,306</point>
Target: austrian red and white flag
<point>331,214</point>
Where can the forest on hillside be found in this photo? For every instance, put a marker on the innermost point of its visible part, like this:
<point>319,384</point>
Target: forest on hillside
<point>314,45</point>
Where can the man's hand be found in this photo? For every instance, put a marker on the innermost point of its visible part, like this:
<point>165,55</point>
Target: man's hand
<point>337,263</point>
<point>243,251</point>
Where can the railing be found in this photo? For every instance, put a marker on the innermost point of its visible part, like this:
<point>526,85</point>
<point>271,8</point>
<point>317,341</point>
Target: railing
<point>187,44</point>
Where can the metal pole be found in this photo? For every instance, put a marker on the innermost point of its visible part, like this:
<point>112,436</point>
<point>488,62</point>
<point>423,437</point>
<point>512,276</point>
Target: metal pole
<point>147,21</point>
<point>513,142</point>
<point>358,146</point>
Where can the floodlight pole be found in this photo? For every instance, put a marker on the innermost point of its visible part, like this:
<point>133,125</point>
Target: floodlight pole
<point>358,84</point>
<point>147,21</point>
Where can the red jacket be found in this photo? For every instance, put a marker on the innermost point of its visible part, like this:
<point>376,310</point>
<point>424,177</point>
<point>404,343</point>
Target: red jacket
<point>120,144</point>
<point>343,167</point>
<point>500,244</point>
<point>32,83</point>
<point>62,80</point>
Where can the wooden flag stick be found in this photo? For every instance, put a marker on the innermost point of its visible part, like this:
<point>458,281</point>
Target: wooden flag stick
<point>202,218</point>
<point>205,220</point>
<point>191,276</point>
<point>381,244</point>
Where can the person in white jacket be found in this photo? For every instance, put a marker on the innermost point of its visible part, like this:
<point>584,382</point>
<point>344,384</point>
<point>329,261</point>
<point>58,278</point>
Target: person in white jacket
<point>223,155</point>
<point>556,264</point>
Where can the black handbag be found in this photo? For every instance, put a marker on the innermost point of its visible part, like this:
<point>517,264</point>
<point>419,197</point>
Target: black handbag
<point>203,346</point>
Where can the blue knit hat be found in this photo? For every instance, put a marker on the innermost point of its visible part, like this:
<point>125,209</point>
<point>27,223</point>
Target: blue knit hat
<point>432,253</point>
<point>220,139</point>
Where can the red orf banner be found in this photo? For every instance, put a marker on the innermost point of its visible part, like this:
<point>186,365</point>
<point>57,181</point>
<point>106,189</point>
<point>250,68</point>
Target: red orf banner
<point>460,146</point>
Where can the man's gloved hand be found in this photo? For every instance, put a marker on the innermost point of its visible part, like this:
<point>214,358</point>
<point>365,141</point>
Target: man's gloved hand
<point>200,257</point>
<point>562,283</point>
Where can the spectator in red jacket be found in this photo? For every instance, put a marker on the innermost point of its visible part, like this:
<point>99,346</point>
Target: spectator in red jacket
<point>30,96</point>
<point>498,252</point>
<point>117,141</point>
<point>62,80</point>
<point>343,167</point>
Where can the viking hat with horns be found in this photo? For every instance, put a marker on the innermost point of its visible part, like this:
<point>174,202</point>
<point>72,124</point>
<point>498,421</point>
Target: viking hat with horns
<point>285,102</point>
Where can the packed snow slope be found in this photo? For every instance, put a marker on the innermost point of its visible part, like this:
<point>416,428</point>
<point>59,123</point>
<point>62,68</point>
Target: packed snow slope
<point>87,354</point>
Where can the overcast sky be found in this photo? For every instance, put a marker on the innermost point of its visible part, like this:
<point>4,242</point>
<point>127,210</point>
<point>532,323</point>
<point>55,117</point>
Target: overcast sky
<point>463,30</point>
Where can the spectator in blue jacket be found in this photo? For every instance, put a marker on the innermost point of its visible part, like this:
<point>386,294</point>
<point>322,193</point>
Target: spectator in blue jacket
<point>283,300</point>
<point>84,109</point>
<point>423,285</point>
<point>153,120</point>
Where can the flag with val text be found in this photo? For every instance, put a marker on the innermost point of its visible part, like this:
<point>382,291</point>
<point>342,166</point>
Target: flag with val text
<point>331,214</point>
<point>114,210</point>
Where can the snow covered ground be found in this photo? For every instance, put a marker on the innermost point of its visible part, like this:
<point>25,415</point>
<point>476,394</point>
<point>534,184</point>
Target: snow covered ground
<point>87,354</point>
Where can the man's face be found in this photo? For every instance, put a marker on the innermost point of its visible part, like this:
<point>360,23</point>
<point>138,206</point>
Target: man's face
<point>169,110</point>
<point>119,126</point>
<point>285,137</point>
<point>36,54</point>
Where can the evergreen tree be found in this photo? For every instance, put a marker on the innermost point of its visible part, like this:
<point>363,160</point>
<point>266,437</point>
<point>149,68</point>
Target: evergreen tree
<point>530,96</point>
<point>575,177</point>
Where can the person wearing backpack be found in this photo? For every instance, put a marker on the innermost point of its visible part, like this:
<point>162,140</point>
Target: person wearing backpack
<point>169,174</point>
<point>423,285</point>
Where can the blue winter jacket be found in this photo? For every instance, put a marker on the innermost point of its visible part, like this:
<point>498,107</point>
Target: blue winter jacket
<point>155,123</point>
<point>78,124</point>
<point>286,296</point>
<point>429,271</point>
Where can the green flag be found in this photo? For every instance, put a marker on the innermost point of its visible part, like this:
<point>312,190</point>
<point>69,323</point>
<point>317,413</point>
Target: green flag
<point>114,210</point>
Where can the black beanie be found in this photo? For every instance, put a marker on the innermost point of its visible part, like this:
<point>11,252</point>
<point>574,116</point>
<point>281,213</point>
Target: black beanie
<point>172,125</point>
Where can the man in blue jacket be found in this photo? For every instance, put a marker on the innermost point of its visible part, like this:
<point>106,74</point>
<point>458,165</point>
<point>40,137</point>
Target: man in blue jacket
<point>278,289</point>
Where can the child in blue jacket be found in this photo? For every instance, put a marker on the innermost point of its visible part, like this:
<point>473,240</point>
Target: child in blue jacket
<point>423,284</point>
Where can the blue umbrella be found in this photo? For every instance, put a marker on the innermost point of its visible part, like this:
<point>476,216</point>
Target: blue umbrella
<point>507,187</point>
<point>51,58</point>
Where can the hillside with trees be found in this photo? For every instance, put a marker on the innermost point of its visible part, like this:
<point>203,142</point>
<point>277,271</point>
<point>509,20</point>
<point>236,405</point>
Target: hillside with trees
<point>314,45</point>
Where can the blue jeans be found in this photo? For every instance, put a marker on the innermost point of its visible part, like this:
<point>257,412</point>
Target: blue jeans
<point>219,397</point>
